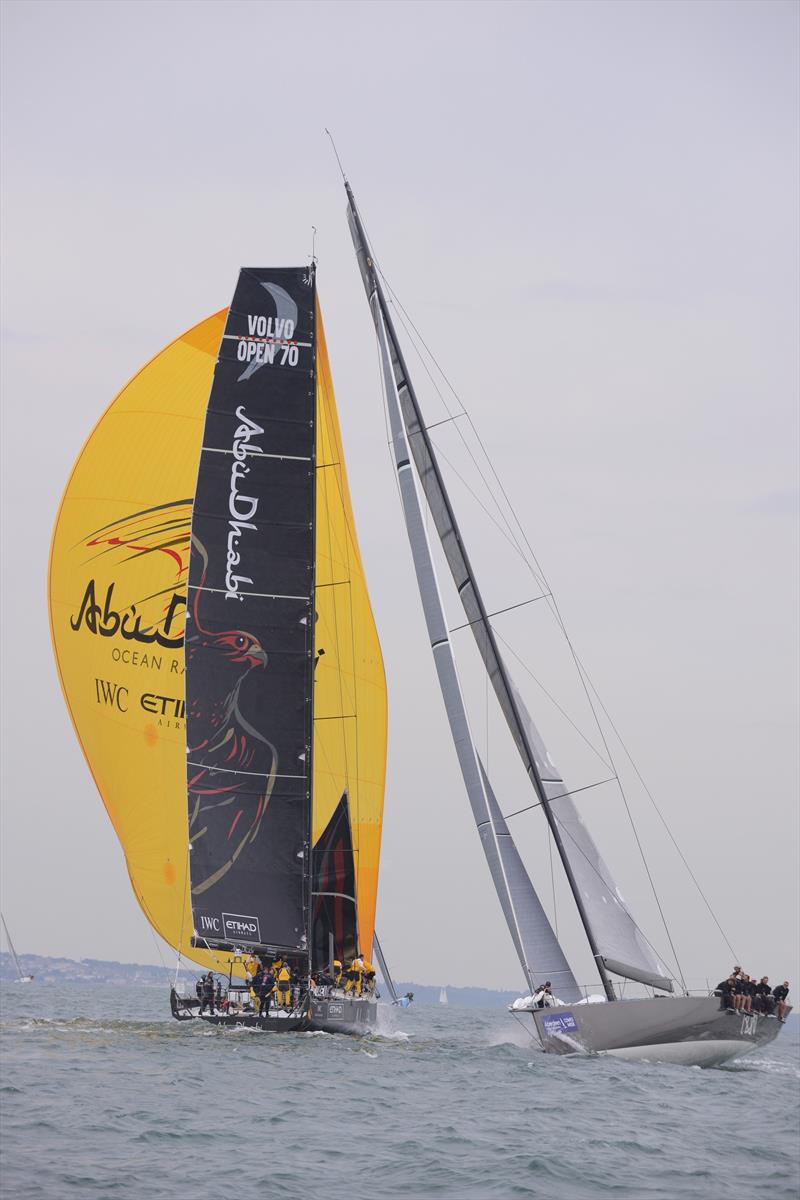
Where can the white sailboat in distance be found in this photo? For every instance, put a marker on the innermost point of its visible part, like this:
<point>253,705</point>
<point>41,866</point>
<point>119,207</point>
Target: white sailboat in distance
<point>21,977</point>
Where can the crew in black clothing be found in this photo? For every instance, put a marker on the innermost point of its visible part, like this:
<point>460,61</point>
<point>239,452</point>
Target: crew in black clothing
<point>780,993</point>
<point>744,1000</point>
<point>265,990</point>
<point>727,991</point>
<point>762,1001</point>
<point>207,1000</point>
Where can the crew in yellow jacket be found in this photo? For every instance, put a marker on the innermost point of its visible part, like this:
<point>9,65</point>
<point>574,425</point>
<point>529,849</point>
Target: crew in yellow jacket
<point>369,976</point>
<point>337,973</point>
<point>283,985</point>
<point>355,976</point>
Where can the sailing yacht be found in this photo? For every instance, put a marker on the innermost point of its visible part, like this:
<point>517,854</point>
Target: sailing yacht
<point>664,1026</point>
<point>21,976</point>
<point>443,996</point>
<point>219,658</point>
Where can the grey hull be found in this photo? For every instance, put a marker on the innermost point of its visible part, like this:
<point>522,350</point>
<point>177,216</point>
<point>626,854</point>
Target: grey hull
<point>681,1029</point>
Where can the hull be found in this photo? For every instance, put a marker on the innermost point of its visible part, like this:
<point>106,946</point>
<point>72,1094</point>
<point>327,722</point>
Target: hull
<point>685,1030</point>
<point>331,1014</point>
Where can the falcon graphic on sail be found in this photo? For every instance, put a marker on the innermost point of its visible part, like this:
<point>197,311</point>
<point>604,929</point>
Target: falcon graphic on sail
<point>224,747</point>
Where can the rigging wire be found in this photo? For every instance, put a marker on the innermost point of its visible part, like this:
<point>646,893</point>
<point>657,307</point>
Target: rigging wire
<point>662,819</point>
<point>508,533</point>
<point>551,698</point>
<point>183,917</point>
<point>541,578</point>
<point>538,803</point>
<point>336,152</point>
<point>158,949</point>
<point>536,1042</point>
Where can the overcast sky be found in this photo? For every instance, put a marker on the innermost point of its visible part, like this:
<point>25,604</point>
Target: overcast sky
<point>590,211</point>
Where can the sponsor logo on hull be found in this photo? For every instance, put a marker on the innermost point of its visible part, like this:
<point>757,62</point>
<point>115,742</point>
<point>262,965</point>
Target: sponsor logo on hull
<point>560,1023</point>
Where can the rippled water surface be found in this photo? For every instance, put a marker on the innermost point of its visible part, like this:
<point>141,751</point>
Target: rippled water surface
<point>104,1095</point>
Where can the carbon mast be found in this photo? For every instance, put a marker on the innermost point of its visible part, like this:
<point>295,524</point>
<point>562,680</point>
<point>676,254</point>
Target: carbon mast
<point>499,676</point>
<point>526,919</point>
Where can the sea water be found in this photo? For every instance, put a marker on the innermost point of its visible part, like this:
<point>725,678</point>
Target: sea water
<point>104,1095</point>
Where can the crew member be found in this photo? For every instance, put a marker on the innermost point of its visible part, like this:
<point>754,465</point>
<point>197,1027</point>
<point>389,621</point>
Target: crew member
<point>544,997</point>
<point>355,975</point>
<point>283,985</point>
<point>266,991</point>
<point>727,992</point>
<point>780,993</point>
<point>369,976</point>
<point>762,1001</point>
<point>337,973</point>
<point>742,996</point>
<point>208,994</point>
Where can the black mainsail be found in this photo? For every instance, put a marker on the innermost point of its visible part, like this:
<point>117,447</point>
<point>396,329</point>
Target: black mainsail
<point>250,623</point>
<point>614,938</point>
<point>334,917</point>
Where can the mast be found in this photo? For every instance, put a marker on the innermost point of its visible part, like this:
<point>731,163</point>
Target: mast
<point>469,762</point>
<point>510,879</point>
<point>308,870</point>
<point>501,681</point>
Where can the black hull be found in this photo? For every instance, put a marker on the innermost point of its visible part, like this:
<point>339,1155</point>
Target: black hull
<point>335,1014</point>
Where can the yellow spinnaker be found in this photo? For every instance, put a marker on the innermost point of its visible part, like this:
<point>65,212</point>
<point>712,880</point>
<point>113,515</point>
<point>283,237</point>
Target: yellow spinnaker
<point>350,693</point>
<point>118,571</point>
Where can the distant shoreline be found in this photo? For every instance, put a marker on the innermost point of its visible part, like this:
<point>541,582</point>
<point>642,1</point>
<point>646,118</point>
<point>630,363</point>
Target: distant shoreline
<point>107,972</point>
<point>47,969</point>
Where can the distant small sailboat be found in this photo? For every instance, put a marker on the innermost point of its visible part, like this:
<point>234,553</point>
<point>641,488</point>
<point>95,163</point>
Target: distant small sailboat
<point>21,976</point>
<point>443,996</point>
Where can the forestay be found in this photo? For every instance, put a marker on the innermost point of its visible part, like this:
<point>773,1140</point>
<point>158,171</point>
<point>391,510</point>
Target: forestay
<point>618,943</point>
<point>532,934</point>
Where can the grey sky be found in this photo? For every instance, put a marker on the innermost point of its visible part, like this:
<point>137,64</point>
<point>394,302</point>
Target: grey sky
<point>590,211</point>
